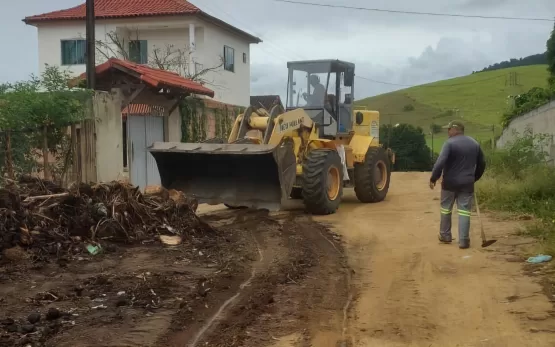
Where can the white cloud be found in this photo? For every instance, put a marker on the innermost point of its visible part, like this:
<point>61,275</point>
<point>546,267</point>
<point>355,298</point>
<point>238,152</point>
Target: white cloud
<point>397,48</point>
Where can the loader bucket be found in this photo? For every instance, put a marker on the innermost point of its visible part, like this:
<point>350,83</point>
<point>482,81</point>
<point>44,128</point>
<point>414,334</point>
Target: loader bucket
<point>239,175</point>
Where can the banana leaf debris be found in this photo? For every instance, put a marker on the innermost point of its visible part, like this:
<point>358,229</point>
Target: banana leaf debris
<point>44,220</point>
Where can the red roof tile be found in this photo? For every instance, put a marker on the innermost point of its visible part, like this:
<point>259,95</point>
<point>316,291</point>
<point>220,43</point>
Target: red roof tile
<point>110,9</point>
<point>142,110</point>
<point>155,78</point>
<point>105,9</point>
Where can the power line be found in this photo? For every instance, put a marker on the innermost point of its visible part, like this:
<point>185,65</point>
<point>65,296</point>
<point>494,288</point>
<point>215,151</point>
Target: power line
<point>284,52</point>
<point>253,32</point>
<point>414,12</point>
<point>429,85</point>
<point>382,82</point>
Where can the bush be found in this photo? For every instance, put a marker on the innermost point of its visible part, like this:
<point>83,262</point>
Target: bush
<point>518,180</point>
<point>27,107</point>
<point>408,108</point>
<point>524,153</point>
<point>409,144</point>
<point>527,102</point>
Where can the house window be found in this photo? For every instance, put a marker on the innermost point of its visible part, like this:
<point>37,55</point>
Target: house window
<point>138,51</point>
<point>74,52</point>
<point>198,68</point>
<point>244,58</point>
<point>229,59</point>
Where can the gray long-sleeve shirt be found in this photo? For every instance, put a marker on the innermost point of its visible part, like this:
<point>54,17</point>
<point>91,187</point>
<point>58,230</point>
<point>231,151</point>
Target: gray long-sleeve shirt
<point>462,162</point>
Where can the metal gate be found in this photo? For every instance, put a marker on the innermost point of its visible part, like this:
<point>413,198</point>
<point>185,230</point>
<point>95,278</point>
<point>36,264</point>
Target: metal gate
<point>142,132</point>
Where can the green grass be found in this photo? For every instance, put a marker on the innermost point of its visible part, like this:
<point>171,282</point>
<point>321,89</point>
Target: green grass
<point>518,181</point>
<point>479,100</point>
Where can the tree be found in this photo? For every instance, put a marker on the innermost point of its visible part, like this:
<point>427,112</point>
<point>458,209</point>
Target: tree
<point>169,57</point>
<point>409,144</point>
<point>551,58</point>
<point>178,60</point>
<point>37,112</point>
<point>536,59</point>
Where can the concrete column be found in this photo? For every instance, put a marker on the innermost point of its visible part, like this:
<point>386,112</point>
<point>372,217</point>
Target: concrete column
<point>192,47</point>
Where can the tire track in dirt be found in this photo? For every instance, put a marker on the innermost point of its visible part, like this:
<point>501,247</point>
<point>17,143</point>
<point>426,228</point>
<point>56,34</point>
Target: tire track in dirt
<point>346,340</point>
<point>297,283</point>
<point>220,314</point>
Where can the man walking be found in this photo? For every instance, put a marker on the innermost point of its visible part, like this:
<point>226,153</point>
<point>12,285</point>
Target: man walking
<point>462,162</point>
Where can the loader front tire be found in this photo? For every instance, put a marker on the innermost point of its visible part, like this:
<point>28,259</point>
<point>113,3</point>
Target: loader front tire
<point>322,181</point>
<point>372,176</point>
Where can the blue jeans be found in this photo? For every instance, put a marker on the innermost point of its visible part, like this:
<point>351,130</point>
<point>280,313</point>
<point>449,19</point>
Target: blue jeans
<point>464,206</point>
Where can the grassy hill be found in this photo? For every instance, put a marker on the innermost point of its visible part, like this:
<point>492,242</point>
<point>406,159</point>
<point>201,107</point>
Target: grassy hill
<point>479,100</point>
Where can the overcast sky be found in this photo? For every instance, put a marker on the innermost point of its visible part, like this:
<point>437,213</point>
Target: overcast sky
<point>394,48</point>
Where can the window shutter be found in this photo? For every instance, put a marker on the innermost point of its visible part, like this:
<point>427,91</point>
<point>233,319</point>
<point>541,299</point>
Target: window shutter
<point>133,51</point>
<point>81,51</point>
<point>65,54</point>
<point>144,51</point>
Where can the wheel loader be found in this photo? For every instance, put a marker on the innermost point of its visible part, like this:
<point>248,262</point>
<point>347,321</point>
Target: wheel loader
<point>318,145</point>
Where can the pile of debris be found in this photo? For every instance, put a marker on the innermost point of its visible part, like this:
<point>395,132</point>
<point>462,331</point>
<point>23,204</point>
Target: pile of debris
<point>46,219</point>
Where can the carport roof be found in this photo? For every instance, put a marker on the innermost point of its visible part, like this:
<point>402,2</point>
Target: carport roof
<point>154,78</point>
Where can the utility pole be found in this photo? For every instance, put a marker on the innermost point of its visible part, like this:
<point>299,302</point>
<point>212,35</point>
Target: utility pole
<point>493,136</point>
<point>91,45</point>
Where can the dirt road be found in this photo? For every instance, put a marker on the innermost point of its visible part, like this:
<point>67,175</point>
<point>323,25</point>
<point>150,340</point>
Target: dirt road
<point>369,275</point>
<point>403,288</point>
<point>412,291</point>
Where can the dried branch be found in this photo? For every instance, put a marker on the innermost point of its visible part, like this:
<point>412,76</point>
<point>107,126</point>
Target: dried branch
<point>169,58</point>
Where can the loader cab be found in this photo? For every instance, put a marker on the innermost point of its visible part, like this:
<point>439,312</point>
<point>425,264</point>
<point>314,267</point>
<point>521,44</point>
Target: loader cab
<point>324,89</point>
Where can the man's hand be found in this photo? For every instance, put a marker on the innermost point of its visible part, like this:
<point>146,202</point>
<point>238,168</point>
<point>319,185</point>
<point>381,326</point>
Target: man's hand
<point>432,185</point>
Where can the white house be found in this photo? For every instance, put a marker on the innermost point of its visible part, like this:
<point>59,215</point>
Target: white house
<point>175,32</point>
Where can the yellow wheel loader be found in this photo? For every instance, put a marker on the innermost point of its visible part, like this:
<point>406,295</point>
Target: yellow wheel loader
<point>311,150</point>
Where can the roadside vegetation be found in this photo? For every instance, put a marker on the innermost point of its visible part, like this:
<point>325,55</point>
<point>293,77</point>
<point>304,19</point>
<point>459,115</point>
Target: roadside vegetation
<point>34,118</point>
<point>409,144</point>
<point>519,179</point>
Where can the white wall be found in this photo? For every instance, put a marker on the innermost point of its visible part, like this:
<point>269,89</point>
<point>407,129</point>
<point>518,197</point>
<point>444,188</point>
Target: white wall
<point>109,142</point>
<point>173,127</point>
<point>50,36</point>
<point>229,87</point>
<point>539,121</point>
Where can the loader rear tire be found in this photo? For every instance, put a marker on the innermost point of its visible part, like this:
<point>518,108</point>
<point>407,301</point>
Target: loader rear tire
<point>372,176</point>
<point>322,181</point>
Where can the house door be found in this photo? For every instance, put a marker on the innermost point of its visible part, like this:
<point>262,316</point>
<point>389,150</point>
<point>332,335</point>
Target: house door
<point>142,132</point>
